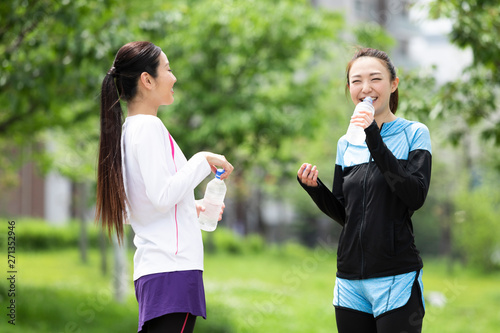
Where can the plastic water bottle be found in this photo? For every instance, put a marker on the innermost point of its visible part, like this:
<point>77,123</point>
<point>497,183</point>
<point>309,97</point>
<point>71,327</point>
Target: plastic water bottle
<point>213,200</point>
<point>355,134</point>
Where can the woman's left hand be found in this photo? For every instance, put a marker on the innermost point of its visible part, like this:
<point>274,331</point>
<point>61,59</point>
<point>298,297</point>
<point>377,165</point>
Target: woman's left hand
<point>200,208</point>
<point>221,211</point>
<point>362,119</point>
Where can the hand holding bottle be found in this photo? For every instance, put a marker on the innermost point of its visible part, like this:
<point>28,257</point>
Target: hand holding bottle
<point>216,160</point>
<point>361,119</point>
<point>200,208</point>
<point>213,203</point>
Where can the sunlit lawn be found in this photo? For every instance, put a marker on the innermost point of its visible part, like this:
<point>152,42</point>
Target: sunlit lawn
<point>275,291</point>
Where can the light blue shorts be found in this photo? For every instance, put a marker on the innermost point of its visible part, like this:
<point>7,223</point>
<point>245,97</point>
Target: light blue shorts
<point>378,295</point>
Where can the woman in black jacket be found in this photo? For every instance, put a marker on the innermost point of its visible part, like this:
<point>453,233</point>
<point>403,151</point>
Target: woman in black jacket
<point>377,186</point>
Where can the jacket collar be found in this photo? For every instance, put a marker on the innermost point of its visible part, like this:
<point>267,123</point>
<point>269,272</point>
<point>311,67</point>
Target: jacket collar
<point>394,127</point>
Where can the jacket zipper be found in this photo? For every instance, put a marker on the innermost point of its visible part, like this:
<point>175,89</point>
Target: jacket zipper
<point>363,217</point>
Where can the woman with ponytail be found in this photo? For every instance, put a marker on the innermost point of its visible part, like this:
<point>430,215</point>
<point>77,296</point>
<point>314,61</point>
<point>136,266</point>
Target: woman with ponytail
<point>144,179</point>
<point>376,188</point>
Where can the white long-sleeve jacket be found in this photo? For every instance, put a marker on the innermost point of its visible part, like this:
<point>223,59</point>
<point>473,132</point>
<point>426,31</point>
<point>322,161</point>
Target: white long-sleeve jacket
<point>160,190</point>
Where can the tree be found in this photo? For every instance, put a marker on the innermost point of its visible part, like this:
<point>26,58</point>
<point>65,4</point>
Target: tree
<point>50,73</point>
<point>469,109</point>
<point>476,225</point>
<point>50,50</point>
<point>54,56</point>
<point>249,78</point>
<point>474,96</point>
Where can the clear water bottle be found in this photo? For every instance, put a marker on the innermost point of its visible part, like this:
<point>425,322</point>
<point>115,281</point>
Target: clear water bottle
<point>213,200</point>
<point>355,134</point>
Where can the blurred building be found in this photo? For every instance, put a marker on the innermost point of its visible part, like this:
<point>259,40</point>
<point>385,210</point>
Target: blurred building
<point>25,199</point>
<point>391,15</point>
<point>431,46</point>
<point>51,197</point>
<point>420,42</point>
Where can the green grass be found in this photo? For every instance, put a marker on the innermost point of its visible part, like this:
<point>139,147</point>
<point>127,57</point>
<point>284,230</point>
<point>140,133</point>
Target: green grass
<point>473,299</point>
<point>285,289</point>
<point>277,292</point>
<point>56,293</point>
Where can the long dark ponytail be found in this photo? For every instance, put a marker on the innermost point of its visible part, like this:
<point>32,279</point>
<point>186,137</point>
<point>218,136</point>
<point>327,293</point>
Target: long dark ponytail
<point>119,83</point>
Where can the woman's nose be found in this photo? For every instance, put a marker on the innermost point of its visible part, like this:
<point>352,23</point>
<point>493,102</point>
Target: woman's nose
<point>366,87</point>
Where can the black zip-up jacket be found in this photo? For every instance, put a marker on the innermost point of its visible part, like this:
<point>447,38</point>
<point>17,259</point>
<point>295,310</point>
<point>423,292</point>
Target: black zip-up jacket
<point>376,188</point>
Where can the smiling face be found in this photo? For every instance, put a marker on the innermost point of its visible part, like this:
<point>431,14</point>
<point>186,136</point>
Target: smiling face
<point>369,76</point>
<point>165,81</point>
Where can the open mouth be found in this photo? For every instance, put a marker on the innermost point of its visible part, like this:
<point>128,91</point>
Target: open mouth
<point>373,99</point>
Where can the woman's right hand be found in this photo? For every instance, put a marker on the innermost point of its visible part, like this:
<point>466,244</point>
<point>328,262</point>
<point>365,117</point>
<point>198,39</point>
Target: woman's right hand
<point>308,175</point>
<point>216,160</point>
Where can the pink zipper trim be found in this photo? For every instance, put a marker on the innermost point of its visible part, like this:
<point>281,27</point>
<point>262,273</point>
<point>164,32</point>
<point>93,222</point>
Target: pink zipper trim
<point>176,232</point>
<point>185,321</point>
<point>176,223</point>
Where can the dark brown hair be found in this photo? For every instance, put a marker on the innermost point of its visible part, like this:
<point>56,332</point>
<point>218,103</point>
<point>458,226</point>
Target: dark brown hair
<point>119,83</point>
<point>381,55</point>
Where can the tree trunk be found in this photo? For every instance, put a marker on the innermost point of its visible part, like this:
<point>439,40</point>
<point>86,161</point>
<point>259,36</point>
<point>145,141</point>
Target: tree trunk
<point>120,274</point>
<point>80,196</point>
<point>103,249</point>
<point>445,225</point>
<point>241,203</point>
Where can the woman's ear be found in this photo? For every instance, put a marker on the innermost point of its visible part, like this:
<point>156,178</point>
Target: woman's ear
<point>146,80</point>
<point>394,84</point>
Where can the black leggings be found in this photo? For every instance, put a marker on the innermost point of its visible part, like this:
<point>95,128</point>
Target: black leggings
<point>407,319</point>
<point>170,323</point>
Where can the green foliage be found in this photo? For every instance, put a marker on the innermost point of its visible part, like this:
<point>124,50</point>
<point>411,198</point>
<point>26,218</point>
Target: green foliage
<point>293,249</point>
<point>474,96</point>
<point>477,224</point>
<point>469,101</point>
<point>54,56</point>
<point>255,79</point>
<point>50,50</point>
<point>71,153</point>
<point>254,243</point>
<point>371,34</point>
<point>476,24</point>
<point>224,240</point>
<point>38,235</point>
<point>416,91</point>
<point>461,109</point>
<point>250,73</point>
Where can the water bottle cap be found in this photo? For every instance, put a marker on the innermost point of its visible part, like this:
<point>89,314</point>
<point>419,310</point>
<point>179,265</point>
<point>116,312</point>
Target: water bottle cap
<point>219,173</point>
<point>368,99</point>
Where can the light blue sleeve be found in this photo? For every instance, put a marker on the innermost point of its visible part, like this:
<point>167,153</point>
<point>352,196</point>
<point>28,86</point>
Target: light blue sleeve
<point>420,137</point>
<point>341,147</point>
